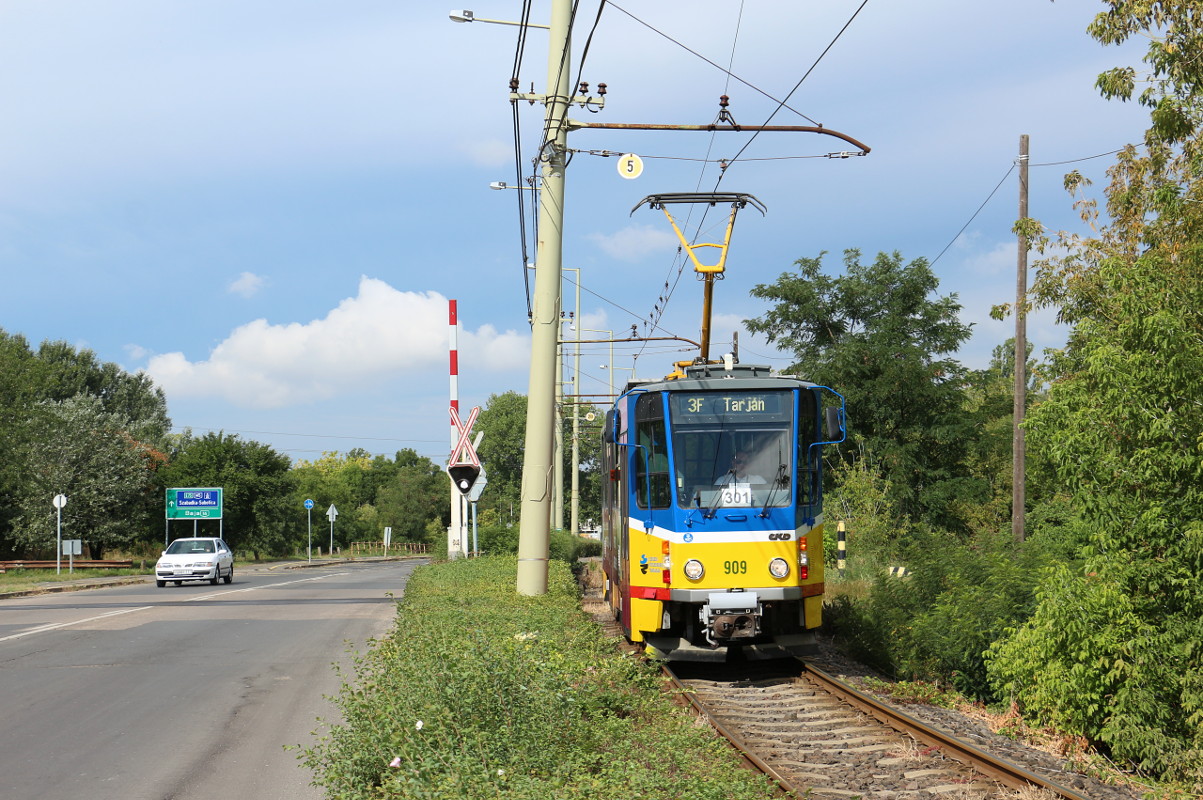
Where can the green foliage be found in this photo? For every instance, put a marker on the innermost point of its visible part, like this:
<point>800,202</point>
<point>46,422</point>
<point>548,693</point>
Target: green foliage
<point>863,500</point>
<point>938,622</point>
<point>498,695</point>
<point>496,538</point>
<point>880,337</point>
<point>70,423</point>
<point>1113,653</point>
<point>256,486</point>
<point>503,422</point>
<point>915,692</point>
<point>77,448</point>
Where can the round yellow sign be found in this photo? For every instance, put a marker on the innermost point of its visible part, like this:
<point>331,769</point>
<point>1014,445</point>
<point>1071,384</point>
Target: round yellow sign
<point>630,166</point>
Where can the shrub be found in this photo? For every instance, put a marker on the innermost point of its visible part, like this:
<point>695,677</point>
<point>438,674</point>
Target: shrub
<point>479,692</point>
<point>1113,653</point>
<point>938,622</point>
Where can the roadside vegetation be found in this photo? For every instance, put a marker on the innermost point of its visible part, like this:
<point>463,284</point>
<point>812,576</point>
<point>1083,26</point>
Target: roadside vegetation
<point>477,693</point>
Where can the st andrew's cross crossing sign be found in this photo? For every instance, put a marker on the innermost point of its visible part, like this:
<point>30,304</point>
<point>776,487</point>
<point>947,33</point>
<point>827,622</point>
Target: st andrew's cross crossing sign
<point>464,465</point>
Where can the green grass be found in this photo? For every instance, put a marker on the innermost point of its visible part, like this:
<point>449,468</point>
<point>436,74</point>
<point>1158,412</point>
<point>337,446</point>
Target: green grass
<point>25,578</point>
<point>480,693</point>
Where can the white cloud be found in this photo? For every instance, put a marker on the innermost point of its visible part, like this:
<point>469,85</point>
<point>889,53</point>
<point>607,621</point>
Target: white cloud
<point>364,340</point>
<point>634,242</point>
<point>489,152</point>
<point>247,284</point>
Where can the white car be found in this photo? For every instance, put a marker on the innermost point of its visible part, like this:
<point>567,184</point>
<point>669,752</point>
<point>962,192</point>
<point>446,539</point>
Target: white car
<point>200,559</point>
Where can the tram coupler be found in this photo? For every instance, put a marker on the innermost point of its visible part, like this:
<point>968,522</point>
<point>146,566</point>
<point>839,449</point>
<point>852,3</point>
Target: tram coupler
<point>731,615</point>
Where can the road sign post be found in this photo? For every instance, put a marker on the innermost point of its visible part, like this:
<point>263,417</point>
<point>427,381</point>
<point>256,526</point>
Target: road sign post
<point>309,516</point>
<point>194,504</point>
<point>332,514</point>
<point>59,501</point>
<point>463,467</point>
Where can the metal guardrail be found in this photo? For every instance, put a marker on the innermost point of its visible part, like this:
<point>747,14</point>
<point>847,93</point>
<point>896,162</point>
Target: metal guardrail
<point>400,548</point>
<point>79,563</point>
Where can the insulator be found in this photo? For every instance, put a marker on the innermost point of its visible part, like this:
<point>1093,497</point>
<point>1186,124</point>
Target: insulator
<point>601,89</point>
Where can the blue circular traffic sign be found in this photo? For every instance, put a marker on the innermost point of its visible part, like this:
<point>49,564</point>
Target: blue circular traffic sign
<point>308,504</point>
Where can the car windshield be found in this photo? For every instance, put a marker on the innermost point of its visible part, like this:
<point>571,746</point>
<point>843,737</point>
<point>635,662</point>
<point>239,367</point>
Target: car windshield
<point>185,547</point>
<point>733,448</point>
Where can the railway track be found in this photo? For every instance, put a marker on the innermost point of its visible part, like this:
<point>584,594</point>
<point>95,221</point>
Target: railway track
<point>821,738</point>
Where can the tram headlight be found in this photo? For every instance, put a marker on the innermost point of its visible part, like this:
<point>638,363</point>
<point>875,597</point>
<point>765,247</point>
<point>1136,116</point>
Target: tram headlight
<point>779,568</point>
<point>694,570</point>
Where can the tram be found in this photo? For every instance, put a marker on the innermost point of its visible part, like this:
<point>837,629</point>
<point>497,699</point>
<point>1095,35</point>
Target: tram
<point>712,511</point>
<point>712,498</point>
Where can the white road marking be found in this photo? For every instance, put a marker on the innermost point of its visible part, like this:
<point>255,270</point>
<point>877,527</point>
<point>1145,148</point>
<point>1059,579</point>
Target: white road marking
<point>56,626</point>
<point>45,628</point>
<point>264,586</point>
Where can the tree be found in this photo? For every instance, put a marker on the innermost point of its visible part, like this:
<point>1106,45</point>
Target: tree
<point>1112,651</point>
<point>879,336</point>
<point>415,495</point>
<point>256,485</point>
<point>342,481</point>
<point>503,422</point>
<point>76,448</point>
<point>31,384</point>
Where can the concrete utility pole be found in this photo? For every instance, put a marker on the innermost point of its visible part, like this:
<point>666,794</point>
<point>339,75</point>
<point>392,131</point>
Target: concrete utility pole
<point>545,315</point>
<point>1018,446</point>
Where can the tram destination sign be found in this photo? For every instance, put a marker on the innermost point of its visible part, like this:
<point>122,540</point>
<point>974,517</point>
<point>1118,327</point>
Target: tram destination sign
<point>708,406</point>
<point>194,503</point>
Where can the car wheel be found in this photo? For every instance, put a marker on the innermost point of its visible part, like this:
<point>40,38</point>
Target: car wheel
<point>160,584</point>
<point>216,575</point>
<point>230,575</point>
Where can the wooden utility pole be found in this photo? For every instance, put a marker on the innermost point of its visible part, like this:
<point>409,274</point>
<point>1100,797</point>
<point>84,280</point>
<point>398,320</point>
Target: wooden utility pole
<point>1018,447</point>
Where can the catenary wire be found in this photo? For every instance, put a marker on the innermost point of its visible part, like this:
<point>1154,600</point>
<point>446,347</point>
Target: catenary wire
<point>711,63</point>
<point>797,85</point>
<point>679,260</point>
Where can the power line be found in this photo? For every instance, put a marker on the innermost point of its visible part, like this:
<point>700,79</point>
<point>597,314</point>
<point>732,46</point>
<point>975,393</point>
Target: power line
<point>727,72</point>
<point>184,428</point>
<point>972,218</point>
<point>797,85</point>
<point>1000,183</point>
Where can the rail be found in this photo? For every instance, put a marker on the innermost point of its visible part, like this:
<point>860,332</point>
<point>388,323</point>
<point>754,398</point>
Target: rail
<point>782,769</point>
<point>1002,771</point>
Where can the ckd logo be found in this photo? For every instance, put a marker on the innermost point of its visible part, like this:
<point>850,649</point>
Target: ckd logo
<point>779,537</point>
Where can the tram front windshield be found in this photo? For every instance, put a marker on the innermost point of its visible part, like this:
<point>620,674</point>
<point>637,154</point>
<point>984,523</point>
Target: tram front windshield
<point>733,449</point>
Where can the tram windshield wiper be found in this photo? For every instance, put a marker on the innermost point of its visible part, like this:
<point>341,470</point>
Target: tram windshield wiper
<point>780,481</point>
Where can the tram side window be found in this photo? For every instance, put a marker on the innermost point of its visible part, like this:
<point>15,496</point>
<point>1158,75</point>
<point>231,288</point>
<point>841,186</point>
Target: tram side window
<point>651,457</point>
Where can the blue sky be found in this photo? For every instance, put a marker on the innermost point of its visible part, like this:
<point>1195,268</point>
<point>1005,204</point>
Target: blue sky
<point>266,205</point>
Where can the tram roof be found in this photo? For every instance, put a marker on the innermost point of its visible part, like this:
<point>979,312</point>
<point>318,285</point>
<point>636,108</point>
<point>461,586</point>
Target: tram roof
<point>710,377</point>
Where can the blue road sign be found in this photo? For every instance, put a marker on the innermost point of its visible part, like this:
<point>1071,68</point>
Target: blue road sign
<point>308,504</point>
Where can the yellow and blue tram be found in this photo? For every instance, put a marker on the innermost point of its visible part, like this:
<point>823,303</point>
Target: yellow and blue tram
<point>712,518</point>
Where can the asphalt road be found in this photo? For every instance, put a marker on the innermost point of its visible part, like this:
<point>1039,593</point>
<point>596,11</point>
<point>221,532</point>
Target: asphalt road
<point>193,691</point>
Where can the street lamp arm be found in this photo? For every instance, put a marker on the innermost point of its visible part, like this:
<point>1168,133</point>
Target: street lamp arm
<point>467,16</point>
